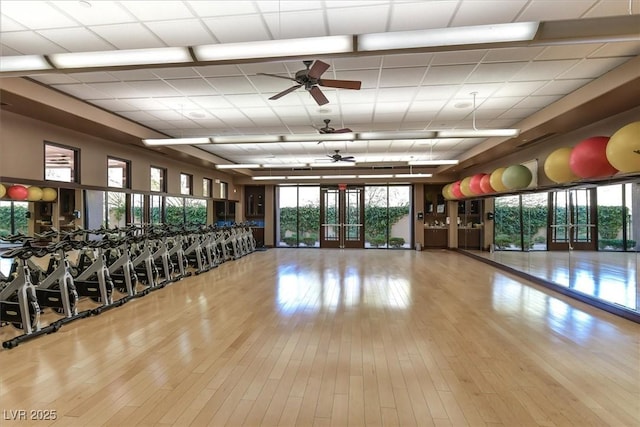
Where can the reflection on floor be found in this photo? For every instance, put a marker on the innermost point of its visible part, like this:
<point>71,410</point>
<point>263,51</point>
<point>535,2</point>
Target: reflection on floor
<point>610,276</point>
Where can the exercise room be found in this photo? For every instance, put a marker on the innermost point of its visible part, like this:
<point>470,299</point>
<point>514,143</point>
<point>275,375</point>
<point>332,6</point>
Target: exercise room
<point>320,213</point>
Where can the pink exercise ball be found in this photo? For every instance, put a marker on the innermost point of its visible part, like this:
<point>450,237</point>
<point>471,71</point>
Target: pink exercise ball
<point>475,184</point>
<point>17,192</point>
<point>588,159</point>
<point>485,184</point>
<point>455,190</point>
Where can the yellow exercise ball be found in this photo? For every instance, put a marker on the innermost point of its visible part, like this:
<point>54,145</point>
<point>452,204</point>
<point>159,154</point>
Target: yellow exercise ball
<point>34,194</point>
<point>556,167</point>
<point>465,187</point>
<point>3,190</point>
<point>623,148</point>
<point>495,179</point>
<point>445,191</point>
<point>49,194</point>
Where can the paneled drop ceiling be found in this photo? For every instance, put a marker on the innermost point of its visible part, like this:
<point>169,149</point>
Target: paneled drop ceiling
<point>403,91</point>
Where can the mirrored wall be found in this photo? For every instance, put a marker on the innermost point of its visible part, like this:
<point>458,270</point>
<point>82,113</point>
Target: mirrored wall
<point>585,239</point>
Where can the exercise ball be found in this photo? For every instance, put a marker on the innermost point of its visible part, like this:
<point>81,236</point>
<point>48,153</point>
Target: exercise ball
<point>485,184</point>
<point>588,159</point>
<point>495,179</point>
<point>445,192</point>
<point>556,167</point>
<point>17,192</point>
<point>455,190</point>
<point>34,194</point>
<point>516,176</point>
<point>3,190</point>
<point>49,194</point>
<point>475,186</point>
<point>465,186</point>
<point>623,149</point>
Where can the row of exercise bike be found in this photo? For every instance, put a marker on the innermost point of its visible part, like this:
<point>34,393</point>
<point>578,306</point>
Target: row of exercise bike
<point>106,266</point>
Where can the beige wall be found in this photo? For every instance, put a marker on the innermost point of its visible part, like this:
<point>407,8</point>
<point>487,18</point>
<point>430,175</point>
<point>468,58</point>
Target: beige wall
<point>22,157</point>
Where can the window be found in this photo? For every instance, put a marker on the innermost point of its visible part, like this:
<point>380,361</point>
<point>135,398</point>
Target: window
<point>158,179</point>
<point>13,217</point>
<point>186,183</point>
<point>60,163</point>
<point>206,187</point>
<point>118,172</point>
<point>224,190</point>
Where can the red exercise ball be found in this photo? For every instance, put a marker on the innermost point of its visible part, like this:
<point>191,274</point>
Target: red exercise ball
<point>17,192</point>
<point>455,190</point>
<point>588,159</point>
<point>474,185</point>
<point>485,184</point>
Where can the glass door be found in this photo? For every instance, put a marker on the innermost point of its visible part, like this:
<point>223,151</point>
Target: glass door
<point>573,220</point>
<point>342,217</point>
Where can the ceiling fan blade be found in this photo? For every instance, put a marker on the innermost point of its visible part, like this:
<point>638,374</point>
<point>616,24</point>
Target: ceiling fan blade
<point>284,92</point>
<point>345,130</point>
<point>275,75</point>
<point>348,159</point>
<point>341,84</point>
<point>317,69</point>
<point>318,95</point>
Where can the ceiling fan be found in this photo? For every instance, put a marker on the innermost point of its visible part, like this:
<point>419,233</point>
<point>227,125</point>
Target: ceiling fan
<point>310,79</point>
<point>327,130</point>
<point>337,157</point>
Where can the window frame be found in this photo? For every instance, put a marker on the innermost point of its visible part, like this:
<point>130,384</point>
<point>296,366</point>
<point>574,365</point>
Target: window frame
<point>75,167</point>
<point>163,179</point>
<point>126,173</point>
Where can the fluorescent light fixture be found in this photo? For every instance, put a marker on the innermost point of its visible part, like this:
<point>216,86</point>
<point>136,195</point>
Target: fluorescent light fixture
<point>413,175</point>
<point>268,178</point>
<point>350,136</point>
<point>245,139</point>
<point>338,176</point>
<point>376,176</point>
<point>477,133</point>
<point>432,162</point>
<point>176,141</point>
<point>397,135</point>
<point>331,164</point>
<point>303,177</point>
<point>115,58</point>
<point>476,34</point>
<point>239,166</point>
<point>274,48</point>
<point>284,165</point>
<point>23,63</point>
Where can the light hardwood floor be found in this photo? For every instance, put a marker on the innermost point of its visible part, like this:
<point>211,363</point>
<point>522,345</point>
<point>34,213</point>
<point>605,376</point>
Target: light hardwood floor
<point>298,337</point>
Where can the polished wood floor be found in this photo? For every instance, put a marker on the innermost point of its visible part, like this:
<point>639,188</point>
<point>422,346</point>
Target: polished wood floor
<point>296,337</point>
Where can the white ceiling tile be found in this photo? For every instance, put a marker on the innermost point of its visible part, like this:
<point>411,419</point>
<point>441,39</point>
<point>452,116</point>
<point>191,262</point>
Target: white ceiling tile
<point>76,39</point>
<point>114,105</point>
<point>540,70</point>
<point>437,92</point>
<point>153,89</point>
<point>392,107</point>
<point>267,84</point>
<point>175,73</point>
<point>140,116</point>
<point>561,87</point>
<point>222,7</point>
<point>218,70</point>
<point>403,94</point>
<point>128,36</point>
<point>187,32</point>
<point>357,63</point>
<point>447,74</point>
<point>415,60</point>
<point>231,85</point>
<point>82,91</point>
<point>29,43</point>
<point>94,77</point>
<point>612,8</point>
<point>572,51</point>
<point>157,10</point>
<point>244,101</point>
<point>134,75</point>
<point>167,115</point>
<point>427,106</point>
<point>148,104</point>
<point>519,113</point>
<point>593,68</point>
<point>100,12</point>
<point>499,103</point>
<point>188,87</point>
<point>352,20</point>
<point>519,88</point>
<point>178,103</point>
<point>210,101</point>
<point>398,77</point>
<point>9,25</point>
<point>617,49</point>
<point>54,78</point>
<point>264,67</point>
<point>480,12</point>
<point>392,117</point>
<point>482,90</point>
<point>458,57</point>
<point>7,51</point>
<point>495,72</point>
<point>546,10</point>
<point>421,15</point>
<point>225,29</point>
<point>36,14</point>
<point>512,54</point>
<point>291,25</point>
